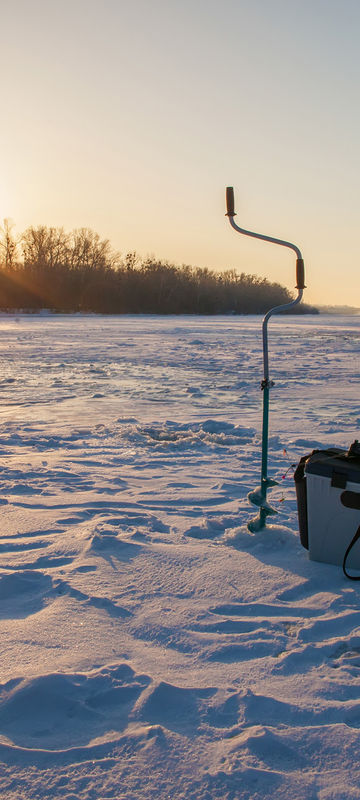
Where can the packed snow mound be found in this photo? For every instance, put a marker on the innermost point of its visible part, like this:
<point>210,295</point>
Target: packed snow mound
<point>208,434</point>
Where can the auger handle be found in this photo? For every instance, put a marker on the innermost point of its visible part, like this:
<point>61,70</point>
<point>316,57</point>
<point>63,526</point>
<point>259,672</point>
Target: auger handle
<point>230,212</point>
<point>230,202</point>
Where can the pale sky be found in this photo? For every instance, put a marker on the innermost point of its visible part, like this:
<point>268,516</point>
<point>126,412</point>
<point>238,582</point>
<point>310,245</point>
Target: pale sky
<point>131,117</point>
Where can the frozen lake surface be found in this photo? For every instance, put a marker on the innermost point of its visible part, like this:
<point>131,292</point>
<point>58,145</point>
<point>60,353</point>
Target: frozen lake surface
<point>152,647</point>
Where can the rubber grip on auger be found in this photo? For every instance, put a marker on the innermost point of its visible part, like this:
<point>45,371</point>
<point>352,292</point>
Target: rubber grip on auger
<point>230,202</point>
<point>300,273</point>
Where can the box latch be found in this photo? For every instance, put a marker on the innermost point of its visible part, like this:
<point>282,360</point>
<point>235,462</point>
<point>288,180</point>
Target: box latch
<point>338,479</point>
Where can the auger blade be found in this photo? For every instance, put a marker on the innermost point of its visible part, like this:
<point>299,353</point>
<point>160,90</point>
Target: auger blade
<point>256,497</point>
<point>271,482</point>
<point>259,522</point>
<point>256,524</point>
<point>269,510</point>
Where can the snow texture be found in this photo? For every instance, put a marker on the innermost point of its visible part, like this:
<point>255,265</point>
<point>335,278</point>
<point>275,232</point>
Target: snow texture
<point>152,648</point>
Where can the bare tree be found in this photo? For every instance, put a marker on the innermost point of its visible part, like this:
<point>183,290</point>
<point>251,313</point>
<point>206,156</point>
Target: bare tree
<point>45,247</point>
<point>8,245</point>
<point>88,251</point>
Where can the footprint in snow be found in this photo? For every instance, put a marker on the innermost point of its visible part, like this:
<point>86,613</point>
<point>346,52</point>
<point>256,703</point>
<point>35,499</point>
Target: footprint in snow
<point>109,546</point>
<point>68,710</point>
<point>23,593</point>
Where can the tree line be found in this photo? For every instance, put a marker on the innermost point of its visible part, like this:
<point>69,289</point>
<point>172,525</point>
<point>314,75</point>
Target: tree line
<point>47,268</point>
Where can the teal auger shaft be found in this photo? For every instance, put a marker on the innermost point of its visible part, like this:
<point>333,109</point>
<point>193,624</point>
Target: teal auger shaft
<point>259,496</point>
<point>264,450</point>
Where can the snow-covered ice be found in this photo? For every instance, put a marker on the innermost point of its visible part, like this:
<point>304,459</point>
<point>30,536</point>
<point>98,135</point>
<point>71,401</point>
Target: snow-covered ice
<point>151,646</point>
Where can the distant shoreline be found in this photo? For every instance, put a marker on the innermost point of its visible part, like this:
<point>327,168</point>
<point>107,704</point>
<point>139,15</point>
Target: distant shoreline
<point>349,311</point>
<point>53,312</point>
<point>303,310</point>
